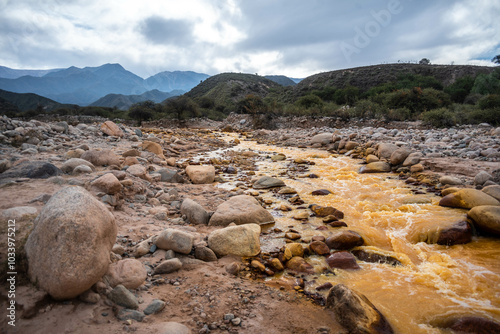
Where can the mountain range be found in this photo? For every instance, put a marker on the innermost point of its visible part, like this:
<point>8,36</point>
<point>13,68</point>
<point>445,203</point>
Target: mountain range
<point>84,86</point>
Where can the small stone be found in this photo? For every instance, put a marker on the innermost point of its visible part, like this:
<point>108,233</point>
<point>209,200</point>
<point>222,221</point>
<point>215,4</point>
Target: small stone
<point>321,192</point>
<point>277,265</point>
<point>257,265</point>
<point>168,266</point>
<point>127,314</point>
<point>319,248</point>
<point>236,321</point>
<point>154,307</point>
<point>299,216</point>
<point>324,286</point>
<point>233,268</point>
<point>120,295</point>
<point>342,260</point>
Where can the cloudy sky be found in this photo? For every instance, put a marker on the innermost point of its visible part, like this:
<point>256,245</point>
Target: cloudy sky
<point>296,38</point>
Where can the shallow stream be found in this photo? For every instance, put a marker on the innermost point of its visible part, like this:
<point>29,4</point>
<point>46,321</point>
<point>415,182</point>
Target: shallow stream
<point>434,281</point>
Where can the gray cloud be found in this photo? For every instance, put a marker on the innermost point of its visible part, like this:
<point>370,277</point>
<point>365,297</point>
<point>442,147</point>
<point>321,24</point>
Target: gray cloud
<point>167,31</point>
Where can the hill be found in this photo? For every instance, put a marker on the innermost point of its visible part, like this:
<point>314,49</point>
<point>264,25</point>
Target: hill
<point>229,88</point>
<point>84,86</point>
<point>28,101</point>
<point>367,77</point>
<point>11,73</point>
<point>124,102</point>
<point>176,80</point>
<point>281,80</point>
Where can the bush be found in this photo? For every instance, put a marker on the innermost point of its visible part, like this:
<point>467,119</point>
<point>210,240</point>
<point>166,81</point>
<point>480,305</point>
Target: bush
<point>417,100</point>
<point>368,109</point>
<point>490,116</point>
<point>459,90</point>
<point>326,94</point>
<point>251,104</point>
<point>439,118</point>
<point>348,95</point>
<point>309,101</point>
<point>142,111</point>
<point>489,101</point>
<point>487,83</point>
<point>181,107</point>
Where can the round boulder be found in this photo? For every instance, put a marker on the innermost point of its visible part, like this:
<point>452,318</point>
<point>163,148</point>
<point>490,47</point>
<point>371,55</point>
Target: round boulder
<point>236,240</point>
<point>487,218</point>
<point>68,249</point>
<point>194,212</point>
<point>130,273</point>
<point>241,209</point>
<point>176,240</point>
<point>201,174</point>
<point>467,199</point>
<point>376,167</point>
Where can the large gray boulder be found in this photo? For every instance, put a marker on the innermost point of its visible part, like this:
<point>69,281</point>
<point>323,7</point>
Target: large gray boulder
<point>266,182</point>
<point>241,209</point>
<point>101,158</point>
<point>176,240</point>
<point>236,240</point>
<point>68,249</point>
<point>322,138</point>
<point>69,165</point>
<point>487,218</point>
<point>201,174</point>
<point>385,150</point>
<point>130,273</point>
<point>467,199</point>
<point>31,170</point>
<point>194,212</point>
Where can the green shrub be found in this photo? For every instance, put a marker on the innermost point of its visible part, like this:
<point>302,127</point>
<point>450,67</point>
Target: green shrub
<point>348,95</point>
<point>251,104</point>
<point>368,109</point>
<point>326,94</point>
<point>487,83</point>
<point>309,101</point>
<point>459,90</point>
<point>439,118</point>
<point>489,101</point>
<point>491,116</point>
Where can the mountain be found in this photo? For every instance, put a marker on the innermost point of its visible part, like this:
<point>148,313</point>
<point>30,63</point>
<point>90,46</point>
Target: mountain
<point>228,88</point>
<point>83,86</point>
<point>28,101</point>
<point>124,102</point>
<point>10,73</point>
<point>281,80</point>
<point>176,80</point>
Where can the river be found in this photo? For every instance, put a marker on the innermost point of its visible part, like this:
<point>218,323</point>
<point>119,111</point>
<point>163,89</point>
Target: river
<point>433,283</point>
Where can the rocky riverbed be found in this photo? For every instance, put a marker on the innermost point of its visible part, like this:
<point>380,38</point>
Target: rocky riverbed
<point>127,229</point>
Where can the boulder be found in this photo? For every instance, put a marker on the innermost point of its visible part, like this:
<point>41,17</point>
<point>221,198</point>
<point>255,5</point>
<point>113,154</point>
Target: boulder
<point>298,264</point>
<point>371,158</point>
<point>482,177</point>
<point>486,218</point>
<point>31,170</point>
<point>201,174</point>
<point>154,307</point>
<point>173,328</point>
<point>18,213</point>
<point>459,233</point>
<point>131,153</point>
<point>194,212</point>
<point>101,158</point>
<point>412,159</point>
<point>471,325</point>
<point>450,180</point>
<point>375,167</point>
<point>68,249</point>
<point>399,156</point>
<point>107,183</point>
<point>355,312</point>
<point>322,138</point>
<point>467,199</point>
<point>153,148</point>
<point>130,273</point>
<point>120,295</point>
<point>241,209</point>
<point>170,175</point>
<point>319,248</point>
<point>344,240</point>
<point>4,165</point>
<point>176,240</point>
<point>138,171</point>
<point>168,266</point>
<point>111,129</point>
<point>493,191</point>
<point>69,165</point>
<point>205,254</point>
<point>325,211</point>
<point>295,249</point>
<point>266,182</point>
<point>342,260</point>
<point>385,150</point>
<point>236,240</point>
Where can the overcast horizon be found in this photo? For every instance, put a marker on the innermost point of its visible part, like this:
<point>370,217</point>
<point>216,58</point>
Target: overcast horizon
<point>293,38</point>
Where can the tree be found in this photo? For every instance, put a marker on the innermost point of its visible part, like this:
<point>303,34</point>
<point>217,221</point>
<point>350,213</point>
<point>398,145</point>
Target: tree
<point>496,59</point>
<point>424,61</point>
<point>142,111</point>
<point>181,106</point>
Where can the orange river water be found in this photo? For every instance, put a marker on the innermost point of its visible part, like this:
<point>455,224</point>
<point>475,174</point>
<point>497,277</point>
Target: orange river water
<point>434,282</point>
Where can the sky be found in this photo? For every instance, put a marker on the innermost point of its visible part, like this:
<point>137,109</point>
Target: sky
<point>296,38</point>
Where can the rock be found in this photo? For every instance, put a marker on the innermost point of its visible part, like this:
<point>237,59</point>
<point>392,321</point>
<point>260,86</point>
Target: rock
<point>68,249</point>
<point>371,158</point>
<point>325,211</point>
<point>450,180</point>
<point>459,233</point>
<point>138,171</point>
<point>107,183</point>
<point>241,209</point>
<point>417,168</point>
<point>412,159</point>
<point>375,167</point>
<point>127,314</point>
<point>89,297</point>
<point>18,213</point>
<point>131,153</point>
<point>194,212</point>
<point>168,266</point>
<point>233,268</point>
<point>120,295</point>
<point>299,216</point>
<point>385,150</point>
<point>130,273</point>
<point>324,286</point>
<point>153,148</point>
<point>482,177</point>
<point>472,325</point>
<point>154,307</point>
<point>31,170</point>
<point>173,328</point>
<point>467,199</point>
<point>486,218</point>
<point>258,265</point>
<point>111,129</point>
<point>350,145</point>
<point>295,248</point>
<point>298,264</point>
<point>372,257</point>
<point>266,182</point>
<point>287,191</point>
<point>278,157</point>
<point>493,191</point>
<point>201,174</point>
<point>399,156</point>
<point>129,161</point>
<point>205,254</point>
<point>276,264</point>
<point>170,175</point>
<point>69,165</point>
<point>319,248</point>
<point>355,312</point>
<point>321,192</point>
<point>345,240</point>
<point>118,249</point>
<point>342,260</point>
<point>101,158</point>
<point>176,240</point>
<point>322,138</point>
<point>236,240</point>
